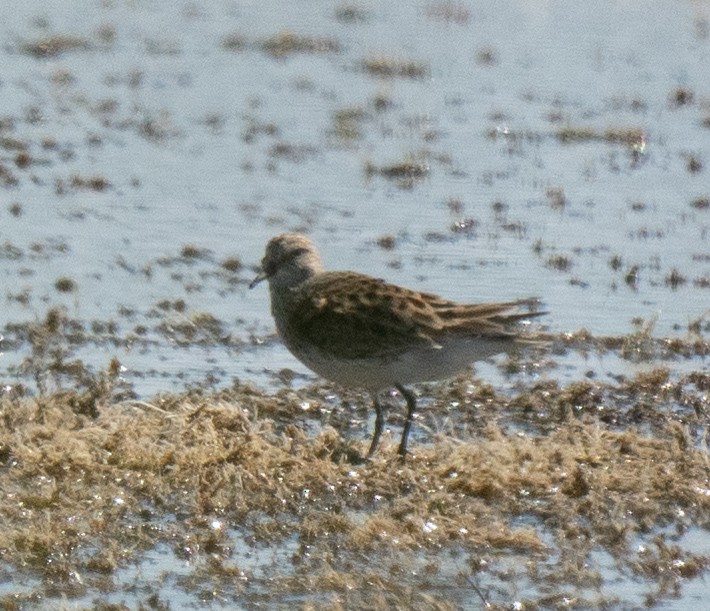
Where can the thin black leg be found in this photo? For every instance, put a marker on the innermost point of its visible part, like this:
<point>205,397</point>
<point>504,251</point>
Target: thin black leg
<point>411,399</point>
<point>379,425</point>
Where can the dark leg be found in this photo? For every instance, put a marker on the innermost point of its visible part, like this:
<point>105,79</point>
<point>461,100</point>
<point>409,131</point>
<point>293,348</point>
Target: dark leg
<point>411,399</point>
<point>379,425</point>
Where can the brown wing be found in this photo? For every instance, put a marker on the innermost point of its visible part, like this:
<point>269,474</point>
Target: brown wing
<point>492,320</point>
<point>353,315</point>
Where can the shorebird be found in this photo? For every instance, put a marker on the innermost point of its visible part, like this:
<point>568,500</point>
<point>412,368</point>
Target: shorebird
<point>362,332</point>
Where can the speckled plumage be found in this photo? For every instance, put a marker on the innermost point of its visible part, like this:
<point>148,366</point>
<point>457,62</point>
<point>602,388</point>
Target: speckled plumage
<point>360,331</point>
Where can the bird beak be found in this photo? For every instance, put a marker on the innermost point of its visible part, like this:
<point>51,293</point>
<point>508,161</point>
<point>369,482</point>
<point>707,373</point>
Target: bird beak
<point>260,276</point>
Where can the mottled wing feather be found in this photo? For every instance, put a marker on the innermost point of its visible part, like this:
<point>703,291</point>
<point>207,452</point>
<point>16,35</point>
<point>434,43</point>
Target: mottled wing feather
<point>351,315</point>
<point>363,315</point>
<point>489,319</point>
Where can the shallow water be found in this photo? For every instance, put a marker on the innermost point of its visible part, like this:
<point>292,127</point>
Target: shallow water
<point>556,150</point>
<point>200,144</point>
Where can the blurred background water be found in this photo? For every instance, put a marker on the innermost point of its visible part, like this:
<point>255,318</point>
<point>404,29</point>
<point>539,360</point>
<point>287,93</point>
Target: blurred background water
<point>481,151</point>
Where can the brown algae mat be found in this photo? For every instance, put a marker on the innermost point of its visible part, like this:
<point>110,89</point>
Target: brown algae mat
<point>540,499</point>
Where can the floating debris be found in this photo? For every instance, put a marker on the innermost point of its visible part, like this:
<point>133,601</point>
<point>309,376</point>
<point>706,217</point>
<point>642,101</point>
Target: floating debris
<point>674,279</point>
<point>406,172</point>
<point>190,251</point>
<point>351,13</point>
<point>65,285</point>
<point>287,43</point>
<point>347,124</point>
<point>630,136</point>
<point>556,198</point>
<point>390,67</point>
<point>632,276</point>
<point>54,45</point>
<point>234,42</point>
<point>561,263</point>
<point>681,96</point>
<point>387,242</point>
<point>232,264</point>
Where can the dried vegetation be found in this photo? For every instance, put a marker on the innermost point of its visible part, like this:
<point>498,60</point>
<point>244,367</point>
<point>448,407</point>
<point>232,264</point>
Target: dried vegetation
<point>511,499</point>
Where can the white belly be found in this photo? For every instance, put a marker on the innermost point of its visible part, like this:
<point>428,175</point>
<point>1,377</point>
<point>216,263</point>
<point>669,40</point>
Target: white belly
<point>421,365</point>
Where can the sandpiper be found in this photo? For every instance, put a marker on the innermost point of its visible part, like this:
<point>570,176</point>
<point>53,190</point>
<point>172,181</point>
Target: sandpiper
<point>362,332</point>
